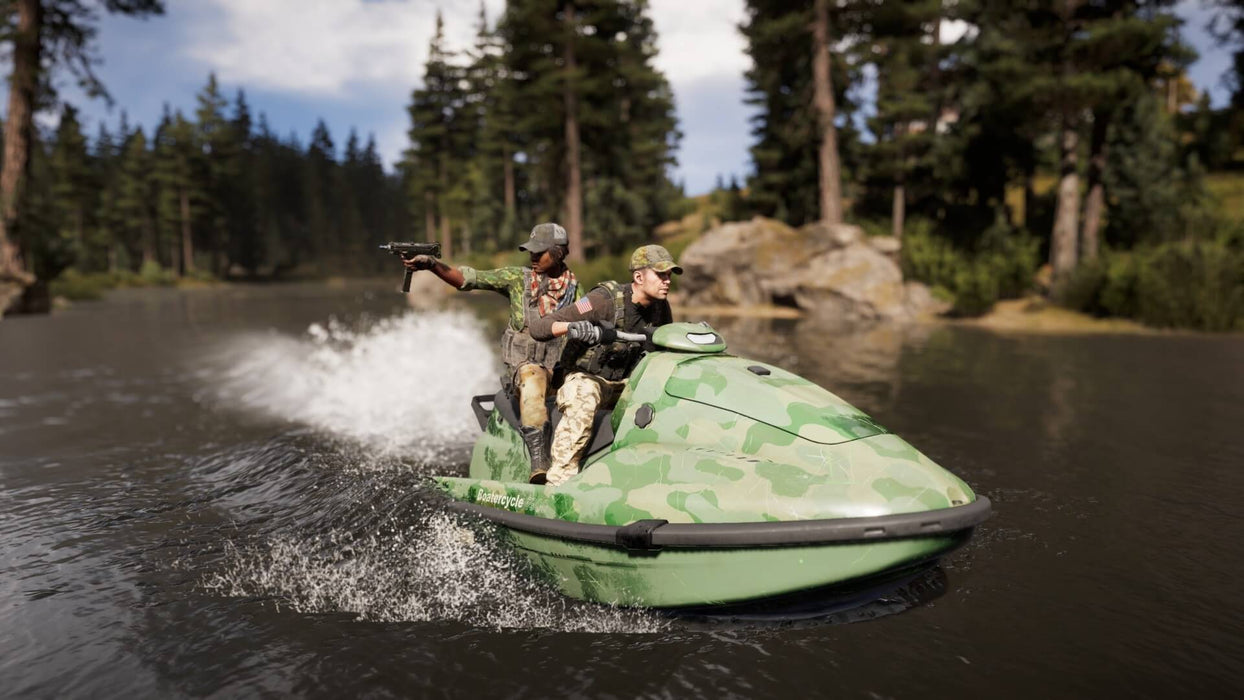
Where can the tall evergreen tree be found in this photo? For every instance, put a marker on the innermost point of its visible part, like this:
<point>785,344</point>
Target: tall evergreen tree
<point>238,191</point>
<point>108,236</point>
<point>790,131</point>
<point>220,150</point>
<point>598,148</point>
<point>134,200</point>
<point>439,151</point>
<point>179,168</point>
<point>904,44</point>
<point>1087,56</point>
<point>321,205</point>
<point>489,111</point>
<point>73,184</point>
<point>47,34</point>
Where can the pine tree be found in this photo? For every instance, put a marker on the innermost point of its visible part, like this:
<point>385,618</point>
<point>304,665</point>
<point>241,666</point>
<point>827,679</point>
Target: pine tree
<point>598,149</point>
<point>904,45</point>
<point>438,151</point>
<point>352,179</point>
<point>72,182</point>
<point>179,167</point>
<point>48,33</point>
<point>789,131</point>
<point>246,248</point>
<point>1083,58</point>
<point>107,237</point>
<point>488,111</point>
<point>321,207</point>
<point>134,199</point>
<point>220,169</point>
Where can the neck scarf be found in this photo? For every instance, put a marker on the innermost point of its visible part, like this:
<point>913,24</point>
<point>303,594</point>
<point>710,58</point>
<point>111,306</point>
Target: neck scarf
<point>550,293</point>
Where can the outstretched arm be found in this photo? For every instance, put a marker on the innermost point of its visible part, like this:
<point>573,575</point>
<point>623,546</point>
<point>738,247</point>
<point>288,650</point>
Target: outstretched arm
<point>450,274</point>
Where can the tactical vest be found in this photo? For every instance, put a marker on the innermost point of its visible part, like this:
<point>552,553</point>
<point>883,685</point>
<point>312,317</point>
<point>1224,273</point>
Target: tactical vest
<point>615,360</point>
<point>519,348</point>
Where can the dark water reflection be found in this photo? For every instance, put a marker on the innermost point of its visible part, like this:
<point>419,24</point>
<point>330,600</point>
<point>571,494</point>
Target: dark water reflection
<point>195,500</point>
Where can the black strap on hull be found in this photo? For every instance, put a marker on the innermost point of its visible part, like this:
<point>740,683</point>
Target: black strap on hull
<point>658,534</point>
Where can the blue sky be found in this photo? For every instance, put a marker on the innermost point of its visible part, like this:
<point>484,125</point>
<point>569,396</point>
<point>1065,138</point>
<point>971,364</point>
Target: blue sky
<point>354,63</point>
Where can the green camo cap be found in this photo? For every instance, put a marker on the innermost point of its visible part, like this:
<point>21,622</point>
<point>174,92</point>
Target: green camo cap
<point>656,257</point>
<point>545,236</point>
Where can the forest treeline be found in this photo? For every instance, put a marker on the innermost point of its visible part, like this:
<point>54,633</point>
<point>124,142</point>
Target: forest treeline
<point>213,194</point>
<point>993,139</point>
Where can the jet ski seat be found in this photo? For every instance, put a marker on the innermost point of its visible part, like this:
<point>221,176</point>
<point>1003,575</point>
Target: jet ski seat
<point>507,405</point>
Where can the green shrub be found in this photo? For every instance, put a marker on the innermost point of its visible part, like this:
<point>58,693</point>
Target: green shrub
<point>931,259</point>
<point>1083,289</point>
<point>77,286</point>
<point>1191,284</point>
<point>199,274</point>
<point>1002,269</point>
<point>874,227</point>
<point>152,275</point>
<point>1012,258</point>
<point>1187,284</point>
<point>976,289</point>
<point>1118,295</point>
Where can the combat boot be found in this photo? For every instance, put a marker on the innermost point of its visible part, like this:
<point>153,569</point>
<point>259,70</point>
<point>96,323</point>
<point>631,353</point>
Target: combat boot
<point>537,441</point>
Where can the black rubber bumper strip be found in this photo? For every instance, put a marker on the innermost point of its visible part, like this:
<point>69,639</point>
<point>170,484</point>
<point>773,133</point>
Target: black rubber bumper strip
<point>657,534</point>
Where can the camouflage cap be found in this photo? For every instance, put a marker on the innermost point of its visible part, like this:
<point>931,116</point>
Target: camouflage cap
<point>545,236</point>
<point>656,257</point>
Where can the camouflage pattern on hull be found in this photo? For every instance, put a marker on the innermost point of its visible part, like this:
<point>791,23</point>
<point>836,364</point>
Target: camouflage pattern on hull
<point>711,438</point>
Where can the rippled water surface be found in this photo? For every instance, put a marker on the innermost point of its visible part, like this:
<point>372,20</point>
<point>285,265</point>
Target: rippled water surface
<point>223,492</point>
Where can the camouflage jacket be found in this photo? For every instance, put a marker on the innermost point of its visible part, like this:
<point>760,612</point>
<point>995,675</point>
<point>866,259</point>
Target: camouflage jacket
<point>509,282</point>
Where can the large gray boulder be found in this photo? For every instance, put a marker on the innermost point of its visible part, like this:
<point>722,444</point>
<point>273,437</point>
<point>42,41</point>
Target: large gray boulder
<point>832,272</point>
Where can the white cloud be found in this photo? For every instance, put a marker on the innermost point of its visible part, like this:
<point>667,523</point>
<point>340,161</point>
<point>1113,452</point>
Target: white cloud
<point>327,47</point>
<point>699,39</point>
<point>346,51</point>
<point>324,47</point>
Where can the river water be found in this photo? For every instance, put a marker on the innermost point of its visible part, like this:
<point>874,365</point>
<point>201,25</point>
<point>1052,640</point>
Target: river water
<point>223,492</point>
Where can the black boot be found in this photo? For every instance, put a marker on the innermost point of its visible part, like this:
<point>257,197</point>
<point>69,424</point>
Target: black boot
<point>537,441</point>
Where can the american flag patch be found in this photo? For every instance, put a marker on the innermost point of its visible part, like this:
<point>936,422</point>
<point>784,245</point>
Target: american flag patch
<point>583,306</point>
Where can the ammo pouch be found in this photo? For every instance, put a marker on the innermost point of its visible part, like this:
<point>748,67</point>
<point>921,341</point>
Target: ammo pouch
<point>613,362</point>
<point>519,348</point>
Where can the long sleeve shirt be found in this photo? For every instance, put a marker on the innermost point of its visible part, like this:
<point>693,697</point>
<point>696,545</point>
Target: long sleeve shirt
<point>507,281</point>
<point>597,307</point>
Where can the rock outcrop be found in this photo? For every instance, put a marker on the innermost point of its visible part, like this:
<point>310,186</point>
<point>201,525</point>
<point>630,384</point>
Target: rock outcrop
<point>832,272</point>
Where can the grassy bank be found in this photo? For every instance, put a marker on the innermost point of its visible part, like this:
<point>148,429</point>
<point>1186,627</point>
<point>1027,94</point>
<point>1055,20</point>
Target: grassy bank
<point>79,286</point>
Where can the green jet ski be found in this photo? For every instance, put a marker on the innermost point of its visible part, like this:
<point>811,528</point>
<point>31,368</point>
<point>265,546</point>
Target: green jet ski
<point>717,480</point>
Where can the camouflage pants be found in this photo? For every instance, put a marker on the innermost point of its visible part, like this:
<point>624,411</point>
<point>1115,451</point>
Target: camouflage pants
<point>532,383</point>
<point>578,399</point>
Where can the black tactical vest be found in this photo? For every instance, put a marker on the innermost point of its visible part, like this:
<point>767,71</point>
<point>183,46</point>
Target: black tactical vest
<point>519,348</point>
<point>613,361</point>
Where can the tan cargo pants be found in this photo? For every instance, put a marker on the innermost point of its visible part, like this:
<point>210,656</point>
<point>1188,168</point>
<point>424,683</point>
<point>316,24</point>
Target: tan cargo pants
<point>578,400</point>
<point>532,384</point>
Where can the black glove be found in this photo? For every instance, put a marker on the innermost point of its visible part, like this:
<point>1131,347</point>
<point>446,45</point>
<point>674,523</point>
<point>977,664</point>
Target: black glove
<point>419,262</point>
<point>590,333</point>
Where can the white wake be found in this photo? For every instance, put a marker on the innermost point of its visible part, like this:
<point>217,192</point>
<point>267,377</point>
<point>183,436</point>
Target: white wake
<point>433,570</point>
<point>401,386</point>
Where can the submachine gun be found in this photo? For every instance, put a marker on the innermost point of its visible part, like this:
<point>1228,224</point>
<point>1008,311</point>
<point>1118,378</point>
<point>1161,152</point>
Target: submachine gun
<point>406,251</point>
